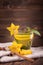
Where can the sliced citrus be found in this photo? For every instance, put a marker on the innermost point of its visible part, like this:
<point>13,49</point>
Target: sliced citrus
<point>22,37</point>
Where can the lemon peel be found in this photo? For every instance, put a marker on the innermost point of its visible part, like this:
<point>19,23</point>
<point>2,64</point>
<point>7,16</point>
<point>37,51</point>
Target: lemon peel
<point>25,52</point>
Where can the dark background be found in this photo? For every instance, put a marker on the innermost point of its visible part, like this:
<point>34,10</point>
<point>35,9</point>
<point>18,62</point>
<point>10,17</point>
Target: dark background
<point>23,13</point>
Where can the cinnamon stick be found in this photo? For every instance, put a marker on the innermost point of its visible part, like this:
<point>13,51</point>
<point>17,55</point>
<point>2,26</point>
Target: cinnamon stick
<point>22,56</point>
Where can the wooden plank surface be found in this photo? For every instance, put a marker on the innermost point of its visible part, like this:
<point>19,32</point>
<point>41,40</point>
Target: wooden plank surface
<point>38,61</point>
<point>22,12</point>
<point>29,13</point>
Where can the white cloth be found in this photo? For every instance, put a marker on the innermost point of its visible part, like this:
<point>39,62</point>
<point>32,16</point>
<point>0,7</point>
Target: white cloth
<point>36,52</point>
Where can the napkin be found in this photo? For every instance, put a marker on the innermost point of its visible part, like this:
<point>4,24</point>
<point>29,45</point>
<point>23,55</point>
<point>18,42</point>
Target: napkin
<point>36,53</point>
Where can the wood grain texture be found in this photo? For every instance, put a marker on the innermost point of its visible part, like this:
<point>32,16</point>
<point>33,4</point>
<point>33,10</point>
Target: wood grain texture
<point>37,61</point>
<point>23,13</point>
<point>28,13</point>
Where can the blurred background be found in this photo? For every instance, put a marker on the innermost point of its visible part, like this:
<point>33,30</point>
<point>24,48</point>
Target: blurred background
<point>23,13</point>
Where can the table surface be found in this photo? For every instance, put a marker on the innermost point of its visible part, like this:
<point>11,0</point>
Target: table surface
<point>38,61</point>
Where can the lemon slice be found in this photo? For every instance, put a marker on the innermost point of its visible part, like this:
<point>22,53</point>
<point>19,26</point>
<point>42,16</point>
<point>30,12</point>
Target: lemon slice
<point>22,37</point>
<point>25,52</point>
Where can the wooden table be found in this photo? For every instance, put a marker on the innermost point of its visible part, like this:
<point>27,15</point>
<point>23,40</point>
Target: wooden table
<point>38,61</point>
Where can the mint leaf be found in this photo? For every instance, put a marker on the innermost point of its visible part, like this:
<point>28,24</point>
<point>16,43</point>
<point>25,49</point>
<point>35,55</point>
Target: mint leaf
<point>24,47</point>
<point>36,32</point>
<point>29,29</point>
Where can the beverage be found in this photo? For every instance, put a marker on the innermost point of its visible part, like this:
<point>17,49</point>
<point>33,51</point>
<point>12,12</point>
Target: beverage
<point>22,39</point>
<point>25,39</point>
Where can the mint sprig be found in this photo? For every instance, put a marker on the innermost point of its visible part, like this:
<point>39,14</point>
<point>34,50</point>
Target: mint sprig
<point>34,31</point>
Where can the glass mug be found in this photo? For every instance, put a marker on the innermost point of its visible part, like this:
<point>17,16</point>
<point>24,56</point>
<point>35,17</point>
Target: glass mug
<point>25,39</point>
